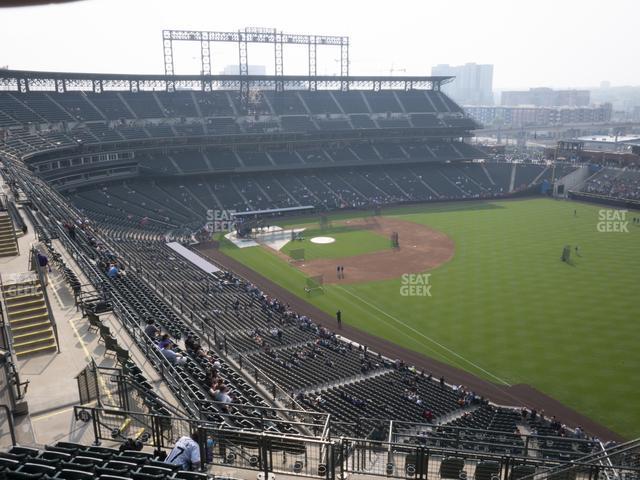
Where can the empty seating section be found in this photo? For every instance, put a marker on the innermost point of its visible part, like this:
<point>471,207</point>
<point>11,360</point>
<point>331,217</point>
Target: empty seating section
<point>415,101</point>
<point>74,117</point>
<point>285,158</point>
<point>110,104</point>
<point>11,105</point>
<point>326,188</point>
<point>77,105</point>
<point>40,103</point>
<point>418,151</point>
<point>143,104</point>
<point>222,126</point>
<point>425,120</point>
<point>362,121</point>
<point>297,123</point>
<point>390,151</point>
<point>436,99</point>
<point>333,124</point>
<point>393,123</point>
<point>285,103</point>
<point>366,153</point>
<point>250,191</point>
<point>191,161</point>
<point>296,189</point>
<point>177,104</point>
<point>382,102</point>
<point>213,103</point>
<point>189,129</point>
<point>255,159</point>
<point>500,174</point>
<point>450,104</point>
<point>526,174</point>
<point>272,186</point>
<point>615,183</point>
<point>102,132</point>
<point>159,130</point>
<point>342,155</point>
<point>351,102</point>
<point>132,131</point>
<point>311,363</point>
<point>320,102</point>
<point>221,159</point>
<point>313,156</point>
<point>394,394</point>
<point>156,162</point>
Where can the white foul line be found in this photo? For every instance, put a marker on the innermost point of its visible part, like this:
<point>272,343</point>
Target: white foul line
<point>426,337</point>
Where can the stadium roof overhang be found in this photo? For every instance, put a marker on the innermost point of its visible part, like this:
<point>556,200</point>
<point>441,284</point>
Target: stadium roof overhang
<point>26,80</point>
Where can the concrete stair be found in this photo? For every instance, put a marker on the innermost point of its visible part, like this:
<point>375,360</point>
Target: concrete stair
<point>29,318</point>
<point>8,244</point>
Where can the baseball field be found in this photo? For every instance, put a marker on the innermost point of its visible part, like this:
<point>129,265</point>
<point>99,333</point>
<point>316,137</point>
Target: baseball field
<point>495,298</point>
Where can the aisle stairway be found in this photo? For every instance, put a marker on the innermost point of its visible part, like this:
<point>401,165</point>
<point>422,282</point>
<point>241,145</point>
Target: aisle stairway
<point>28,315</point>
<point>8,244</point>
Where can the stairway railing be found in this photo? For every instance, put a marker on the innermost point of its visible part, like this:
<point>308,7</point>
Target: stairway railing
<point>41,278</point>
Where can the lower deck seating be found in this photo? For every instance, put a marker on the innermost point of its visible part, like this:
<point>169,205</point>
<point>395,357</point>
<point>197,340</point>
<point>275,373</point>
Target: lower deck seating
<point>73,461</point>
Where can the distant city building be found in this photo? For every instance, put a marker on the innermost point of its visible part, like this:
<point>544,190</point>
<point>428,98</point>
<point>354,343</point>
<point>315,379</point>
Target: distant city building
<point>528,115</point>
<point>546,97</point>
<point>609,143</point>
<point>473,83</point>
<point>636,114</point>
<point>253,70</point>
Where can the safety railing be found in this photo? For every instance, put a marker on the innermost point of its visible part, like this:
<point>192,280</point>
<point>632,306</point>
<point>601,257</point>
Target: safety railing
<point>6,421</point>
<point>35,264</point>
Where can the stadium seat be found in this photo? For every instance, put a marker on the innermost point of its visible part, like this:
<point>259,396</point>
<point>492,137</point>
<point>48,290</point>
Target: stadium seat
<point>451,467</point>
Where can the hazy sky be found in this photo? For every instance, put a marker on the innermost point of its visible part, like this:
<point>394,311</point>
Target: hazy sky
<point>572,43</point>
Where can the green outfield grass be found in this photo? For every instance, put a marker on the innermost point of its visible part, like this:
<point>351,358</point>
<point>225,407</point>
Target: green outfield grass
<point>348,243</point>
<point>505,307</point>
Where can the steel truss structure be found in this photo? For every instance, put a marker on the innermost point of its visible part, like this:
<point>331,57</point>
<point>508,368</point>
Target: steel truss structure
<point>256,35</point>
<point>25,81</point>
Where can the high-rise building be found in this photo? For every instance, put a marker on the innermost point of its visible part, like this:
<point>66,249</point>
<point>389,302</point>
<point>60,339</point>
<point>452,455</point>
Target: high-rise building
<point>546,97</point>
<point>473,84</point>
<point>529,115</point>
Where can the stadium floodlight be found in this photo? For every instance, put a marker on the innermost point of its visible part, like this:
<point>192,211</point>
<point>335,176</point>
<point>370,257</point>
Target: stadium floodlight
<point>256,35</point>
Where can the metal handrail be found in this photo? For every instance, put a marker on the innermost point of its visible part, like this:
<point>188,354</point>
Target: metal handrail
<point>41,279</point>
<point>12,428</point>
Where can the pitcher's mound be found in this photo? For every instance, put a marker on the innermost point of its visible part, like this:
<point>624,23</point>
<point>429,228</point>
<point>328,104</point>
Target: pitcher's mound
<point>322,240</point>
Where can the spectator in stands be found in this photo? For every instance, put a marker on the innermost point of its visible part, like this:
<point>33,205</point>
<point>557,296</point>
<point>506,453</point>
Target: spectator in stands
<point>186,452</point>
<point>151,330</point>
<point>427,415</point>
<point>173,357</point>
<point>165,341</point>
<point>222,395</point>
<point>113,271</point>
<point>43,261</point>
